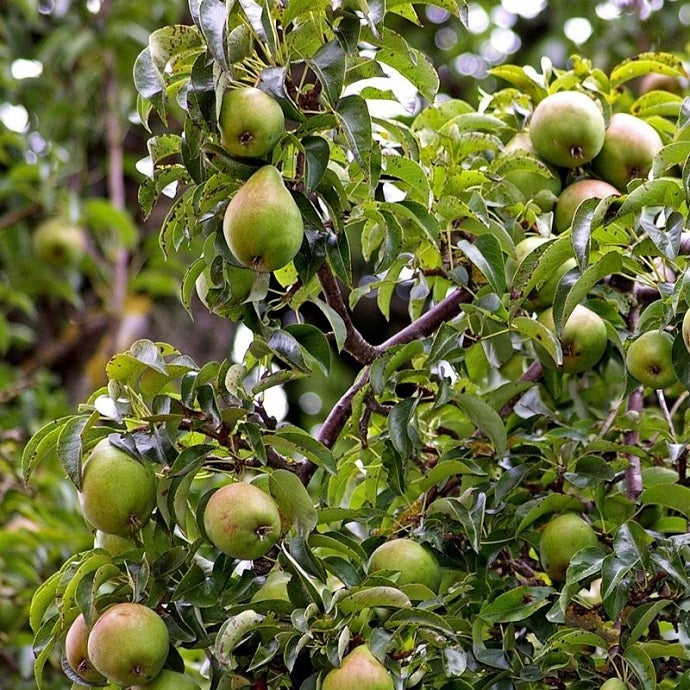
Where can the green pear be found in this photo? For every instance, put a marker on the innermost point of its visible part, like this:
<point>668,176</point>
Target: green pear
<point>540,188</point>
<point>118,493</point>
<point>263,225</point>
<point>169,680</point>
<point>359,669</point>
<point>649,359</point>
<point>628,152</point>
<point>76,651</point>
<point>59,243</point>
<point>614,684</point>
<point>567,129</point>
<point>250,122</point>
<point>129,644</point>
<point>561,538</point>
<point>662,82</point>
<point>416,564</point>
<point>583,339</point>
<point>573,195</point>
<point>114,544</point>
<point>242,521</point>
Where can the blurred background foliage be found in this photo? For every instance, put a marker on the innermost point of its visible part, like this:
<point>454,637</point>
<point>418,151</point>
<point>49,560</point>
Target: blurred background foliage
<point>71,149</point>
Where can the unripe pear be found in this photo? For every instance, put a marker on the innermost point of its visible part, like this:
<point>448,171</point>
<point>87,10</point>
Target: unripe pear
<point>583,339</point>
<point>359,669</point>
<point>118,492</point>
<point>114,544</point>
<point>560,540</point>
<point>169,680</point>
<point>614,684</point>
<point>76,651</point>
<point>59,243</point>
<point>628,152</point>
<point>129,644</point>
<point>263,225</point>
<point>567,129</point>
<point>649,359</point>
<point>250,122</point>
<point>416,564</point>
<point>242,521</point>
<point>573,195</point>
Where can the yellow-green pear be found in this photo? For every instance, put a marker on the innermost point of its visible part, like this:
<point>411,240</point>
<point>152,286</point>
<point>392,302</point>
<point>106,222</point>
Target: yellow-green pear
<point>650,359</point>
<point>583,339</point>
<point>415,563</point>
<point>129,644</point>
<point>567,128</point>
<point>242,521</point>
<point>250,122</point>
<point>118,492</point>
<point>614,684</point>
<point>629,148</point>
<point>59,242</point>
<point>359,670</point>
<point>76,651</point>
<point>263,225</point>
<point>169,680</point>
<point>561,538</point>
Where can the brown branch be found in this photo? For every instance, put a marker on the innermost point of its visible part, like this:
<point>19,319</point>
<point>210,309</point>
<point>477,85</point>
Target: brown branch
<point>13,217</point>
<point>444,311</point>
<point>426,324</point>
<point>355,344</point>
<point>116,185</point>
<point>633,472</point>
<point>533,373</point>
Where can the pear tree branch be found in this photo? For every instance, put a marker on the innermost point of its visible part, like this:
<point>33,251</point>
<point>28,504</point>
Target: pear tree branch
<point>445,310</point>
<point>633,472</point>
<point>355,344</point>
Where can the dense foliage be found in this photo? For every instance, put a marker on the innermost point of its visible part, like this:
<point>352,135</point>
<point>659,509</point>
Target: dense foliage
<point>466,426</point>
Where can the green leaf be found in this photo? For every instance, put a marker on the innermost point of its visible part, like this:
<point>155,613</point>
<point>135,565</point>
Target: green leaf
<point>399,421</point>
<point>646,63</point>
<point>540,334</point>
<point>329,65</point>
<point>355,123</point>
<point>213,25</point>
<point>294,500</point>
<point>672,496</point>
<point>638,660</point>
<point>315,347</point>
<point>531,511</point>
<point>42,445</point>
<point>293,438</point>
<point>421,618</point>
<point>233,632</point>
<point>370,597</point>
<point>486,254</point>
<point>412,64</point>
<point>69,445</point>
<point>568,296</point>
<point>486,419</point>
<point>664,191</point>
<point>640,619</point>
<point>316,153</point>
<point>515,605</point>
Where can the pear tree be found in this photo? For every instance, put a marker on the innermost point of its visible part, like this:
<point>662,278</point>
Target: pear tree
<point>536,479</point>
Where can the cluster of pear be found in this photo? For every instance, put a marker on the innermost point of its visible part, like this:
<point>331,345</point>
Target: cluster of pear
<point>127,645</point>
<point>568,133</point>
<point>118,496</point>
<point>262,225</point>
